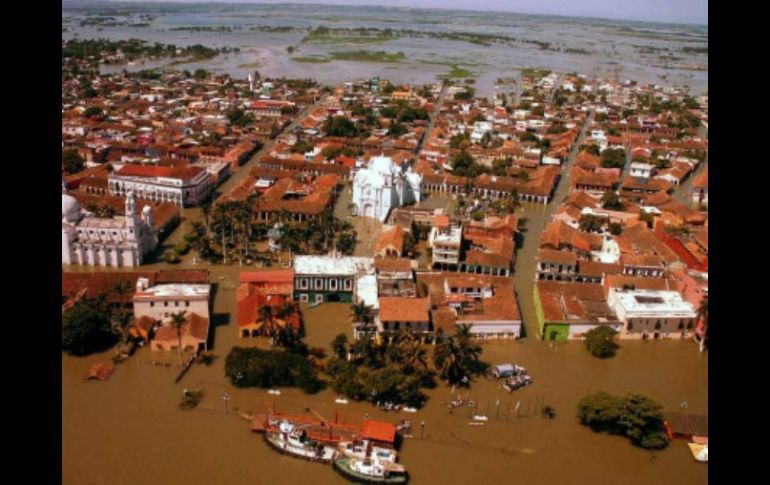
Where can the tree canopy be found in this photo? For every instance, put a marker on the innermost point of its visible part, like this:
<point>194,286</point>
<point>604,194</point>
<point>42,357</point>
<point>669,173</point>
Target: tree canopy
<point>634,416</point>
<point>86,327</point>
<point>600,341</point>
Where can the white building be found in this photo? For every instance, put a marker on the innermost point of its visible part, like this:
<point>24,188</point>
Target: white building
<point>159,302</point>
<point>382,186</point>
<point>329,278</point>
<point>119,241</point>
<point>652,313</point>
<point>642,170</point>
<point>184,186</point>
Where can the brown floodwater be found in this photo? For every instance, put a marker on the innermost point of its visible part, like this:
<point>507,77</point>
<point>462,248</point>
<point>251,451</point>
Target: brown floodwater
<point>130,430</point>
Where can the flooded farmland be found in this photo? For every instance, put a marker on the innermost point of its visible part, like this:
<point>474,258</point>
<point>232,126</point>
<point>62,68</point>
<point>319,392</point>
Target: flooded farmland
<point>430,41</point>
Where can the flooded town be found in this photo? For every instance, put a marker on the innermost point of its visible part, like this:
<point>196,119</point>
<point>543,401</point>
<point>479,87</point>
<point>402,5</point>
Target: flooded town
<point>333,265</point>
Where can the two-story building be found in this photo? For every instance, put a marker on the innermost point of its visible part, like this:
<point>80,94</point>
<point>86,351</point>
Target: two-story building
<point>184,186</point>
<point>329,278</point>
<point>652,314</point>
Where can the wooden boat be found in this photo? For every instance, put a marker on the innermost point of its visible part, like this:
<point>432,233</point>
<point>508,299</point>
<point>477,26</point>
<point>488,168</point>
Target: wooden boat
<point>294,441</point>
<point>370,470</point>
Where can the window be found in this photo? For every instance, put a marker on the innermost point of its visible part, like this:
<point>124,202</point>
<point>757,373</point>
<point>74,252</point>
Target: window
<point>176,303</point>
<point>165,303</point>
<point>348,284</point>
<point>319,298</point>
<point>333,284</point>
<point>303,284</point>
<point>303,297</point>
<point>187,303</point>
<point>319,284</point>
<point>630,325</point>
<point>152,304</point>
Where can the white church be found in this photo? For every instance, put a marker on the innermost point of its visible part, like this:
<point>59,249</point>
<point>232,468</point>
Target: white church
<point>382,185</point>
<point>119,241</point>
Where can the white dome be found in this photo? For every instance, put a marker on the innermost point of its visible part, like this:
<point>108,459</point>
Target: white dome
<point>147,209</point>
<point>70,208</point>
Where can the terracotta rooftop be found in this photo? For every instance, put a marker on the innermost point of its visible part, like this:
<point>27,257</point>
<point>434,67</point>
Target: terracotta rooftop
<point>397,309</point>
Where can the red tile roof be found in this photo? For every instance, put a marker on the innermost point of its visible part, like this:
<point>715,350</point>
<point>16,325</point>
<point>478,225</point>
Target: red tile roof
<point>183,173</point>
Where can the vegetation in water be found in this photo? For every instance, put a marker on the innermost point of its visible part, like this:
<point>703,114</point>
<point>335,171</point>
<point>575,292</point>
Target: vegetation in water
<point>600,341</point>
<point>252,367</point>
<point>634,416</point>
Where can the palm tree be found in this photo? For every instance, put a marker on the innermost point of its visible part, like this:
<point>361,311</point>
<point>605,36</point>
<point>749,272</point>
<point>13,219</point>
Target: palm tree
<point>703,316</point>
<point>178,320</point>
<point>414,357</point>
<point>220,216</point>
<point>206,213</point>
<point>266,314</point>
<point>362,313</point>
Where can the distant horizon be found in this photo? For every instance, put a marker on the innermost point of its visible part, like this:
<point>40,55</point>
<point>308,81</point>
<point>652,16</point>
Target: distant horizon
<point>449,5</point>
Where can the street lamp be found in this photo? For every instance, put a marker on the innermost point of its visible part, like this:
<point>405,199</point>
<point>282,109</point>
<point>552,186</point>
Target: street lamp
<point>226,398</point>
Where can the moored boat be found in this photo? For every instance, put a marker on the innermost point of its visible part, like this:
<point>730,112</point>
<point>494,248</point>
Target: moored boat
<point>293,440</point>
<point>363,449</point>
<point>370,470</point>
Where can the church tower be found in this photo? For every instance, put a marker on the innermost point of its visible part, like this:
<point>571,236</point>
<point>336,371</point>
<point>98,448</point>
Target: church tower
<point>131,219</point>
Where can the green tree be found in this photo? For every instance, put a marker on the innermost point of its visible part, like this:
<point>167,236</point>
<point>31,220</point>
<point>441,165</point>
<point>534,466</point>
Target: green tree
<point>340,346</point>
<point>71,161</point>
<point>600,341</point>
<point>86,327</point>
<point>636,417</point>
<point>611,200</point>
<point>457,358</point>
<point>340,126</point>
<point>613,158</point>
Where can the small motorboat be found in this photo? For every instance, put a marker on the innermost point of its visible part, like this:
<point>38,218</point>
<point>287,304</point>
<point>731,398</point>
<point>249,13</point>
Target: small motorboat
<point>480,417</point>
<point>341,400</point>
<point>274,392</point>
<point>409,410</point>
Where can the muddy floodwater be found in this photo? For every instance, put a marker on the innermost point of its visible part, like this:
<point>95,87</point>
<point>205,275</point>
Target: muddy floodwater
<point>129,430</point>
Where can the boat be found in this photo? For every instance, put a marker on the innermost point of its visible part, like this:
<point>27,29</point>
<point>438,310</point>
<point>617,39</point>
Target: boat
<point>293,440</point>
<point>480,417</point>
<point>341,400</point>
<point>370,470</point>
<point>274,392</point>
<point>362,449</point>
<point>409,410</point>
